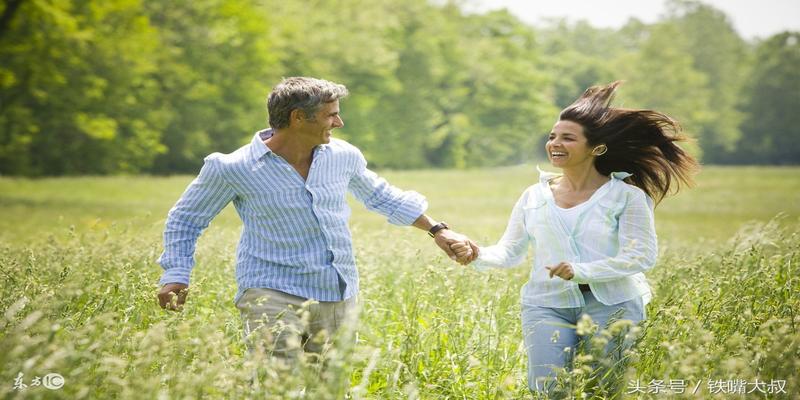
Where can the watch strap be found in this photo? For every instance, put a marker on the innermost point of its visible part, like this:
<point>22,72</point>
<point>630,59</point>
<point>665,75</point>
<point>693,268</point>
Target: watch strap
<point>437,228</point>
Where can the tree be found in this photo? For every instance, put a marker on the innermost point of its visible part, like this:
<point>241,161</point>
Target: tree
<point>578,57</point>
<point>772,126</point>
<point>216,65</point>
<point>661,76</point>
<point>721,55</point>
<point>73,89</point>
<point>509,105</point>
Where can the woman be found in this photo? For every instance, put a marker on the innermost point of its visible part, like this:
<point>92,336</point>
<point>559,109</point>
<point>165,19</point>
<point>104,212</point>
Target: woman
<point>591,227</point>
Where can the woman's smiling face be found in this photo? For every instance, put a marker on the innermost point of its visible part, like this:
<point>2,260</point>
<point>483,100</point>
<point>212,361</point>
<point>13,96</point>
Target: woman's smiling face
<point>567,145</point>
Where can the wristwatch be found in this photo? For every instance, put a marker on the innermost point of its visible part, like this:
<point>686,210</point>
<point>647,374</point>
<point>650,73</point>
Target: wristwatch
<point>437,228</point>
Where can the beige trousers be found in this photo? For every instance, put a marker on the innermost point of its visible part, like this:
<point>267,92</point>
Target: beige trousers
<point>289,327</point>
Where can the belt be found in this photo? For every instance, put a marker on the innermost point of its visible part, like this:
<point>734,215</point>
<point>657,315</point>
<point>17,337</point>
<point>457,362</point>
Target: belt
<point>584,287</point>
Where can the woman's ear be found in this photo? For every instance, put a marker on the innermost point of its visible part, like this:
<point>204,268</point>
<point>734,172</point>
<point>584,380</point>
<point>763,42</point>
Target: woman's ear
<point>599,150</point>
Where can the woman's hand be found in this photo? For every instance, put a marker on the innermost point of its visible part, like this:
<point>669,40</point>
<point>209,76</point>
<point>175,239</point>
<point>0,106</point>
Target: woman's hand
<point>563,270</point>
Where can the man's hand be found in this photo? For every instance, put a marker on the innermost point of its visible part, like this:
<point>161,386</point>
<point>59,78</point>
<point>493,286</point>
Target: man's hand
<point>563,270</point>
<point>169,292</point>
<point>464,253</point>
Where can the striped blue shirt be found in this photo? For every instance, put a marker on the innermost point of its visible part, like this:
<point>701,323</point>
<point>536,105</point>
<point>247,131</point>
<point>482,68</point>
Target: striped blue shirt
<point>609,247</point>
<point>296,237</point>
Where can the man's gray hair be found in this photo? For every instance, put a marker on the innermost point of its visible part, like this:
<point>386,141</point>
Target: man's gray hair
<point>303,93</point>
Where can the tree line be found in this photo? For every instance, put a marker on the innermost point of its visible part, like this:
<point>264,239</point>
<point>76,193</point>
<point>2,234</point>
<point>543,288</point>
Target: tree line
<point>135,86</point>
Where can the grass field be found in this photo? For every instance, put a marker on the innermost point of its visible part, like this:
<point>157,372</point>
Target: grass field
<point>77,261</point>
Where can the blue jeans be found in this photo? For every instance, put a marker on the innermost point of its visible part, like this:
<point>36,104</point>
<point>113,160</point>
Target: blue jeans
<point>548,350</point>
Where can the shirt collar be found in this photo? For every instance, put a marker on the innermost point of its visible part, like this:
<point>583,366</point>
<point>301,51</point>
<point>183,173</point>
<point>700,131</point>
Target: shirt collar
<point>620,175</point>
<point>545,176</point>
<point>258,148</point>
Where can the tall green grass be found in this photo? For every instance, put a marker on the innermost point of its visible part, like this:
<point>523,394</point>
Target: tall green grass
<point>78,299</point>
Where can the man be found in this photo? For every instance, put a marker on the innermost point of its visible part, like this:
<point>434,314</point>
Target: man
<point>289,188</point>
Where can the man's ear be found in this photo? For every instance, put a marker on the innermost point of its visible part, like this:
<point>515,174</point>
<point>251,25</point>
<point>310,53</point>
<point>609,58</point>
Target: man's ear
<point>297,115</point>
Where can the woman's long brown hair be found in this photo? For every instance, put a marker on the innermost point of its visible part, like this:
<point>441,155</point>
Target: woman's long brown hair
<point>641,142</point>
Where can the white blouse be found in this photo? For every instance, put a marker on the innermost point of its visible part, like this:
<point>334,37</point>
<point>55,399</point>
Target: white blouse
<point>611,244</point>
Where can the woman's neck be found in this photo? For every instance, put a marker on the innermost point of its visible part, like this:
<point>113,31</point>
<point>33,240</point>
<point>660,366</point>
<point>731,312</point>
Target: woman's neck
<point>581,179</point>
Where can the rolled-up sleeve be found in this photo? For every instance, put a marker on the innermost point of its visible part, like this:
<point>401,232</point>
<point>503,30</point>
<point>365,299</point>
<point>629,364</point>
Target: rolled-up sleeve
<point>638,245</point>
<point>205,197</point>
<point>401,207</point>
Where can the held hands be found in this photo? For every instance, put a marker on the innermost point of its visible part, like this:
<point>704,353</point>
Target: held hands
<point>465,252</point>
<point>562,270</point>
<point>170,292</point>
<point>459,247</point>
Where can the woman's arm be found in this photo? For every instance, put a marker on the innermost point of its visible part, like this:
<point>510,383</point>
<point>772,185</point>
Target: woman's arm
<point>638,246</point>
<point>513,246</point>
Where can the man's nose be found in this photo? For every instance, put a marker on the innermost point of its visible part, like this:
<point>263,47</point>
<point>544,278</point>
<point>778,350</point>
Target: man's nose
<point>339,122</point>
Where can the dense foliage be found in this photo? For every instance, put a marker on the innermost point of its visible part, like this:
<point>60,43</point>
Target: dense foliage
<point>127,86</point>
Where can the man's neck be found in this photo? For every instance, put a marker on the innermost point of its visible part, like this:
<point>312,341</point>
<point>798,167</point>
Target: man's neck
<point>286,144</point>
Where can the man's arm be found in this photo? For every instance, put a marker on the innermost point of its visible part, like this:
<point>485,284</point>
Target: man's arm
<point>402,207</point>
<point>446,238</point>
<point>205,197</point>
